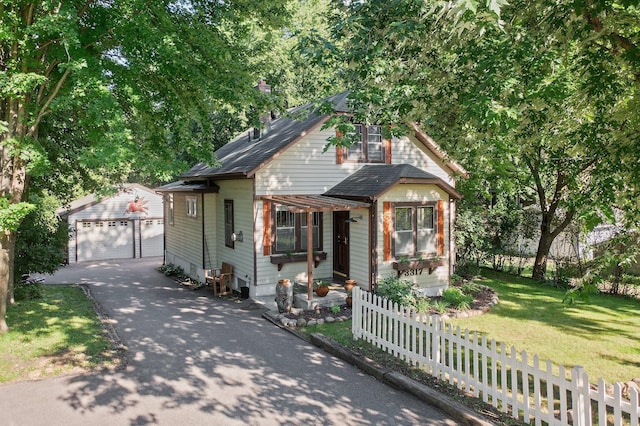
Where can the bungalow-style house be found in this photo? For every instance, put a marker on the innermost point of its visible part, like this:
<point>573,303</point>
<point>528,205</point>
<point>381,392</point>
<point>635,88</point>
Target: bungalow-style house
<point>377,208</point>
<point>126,225</point>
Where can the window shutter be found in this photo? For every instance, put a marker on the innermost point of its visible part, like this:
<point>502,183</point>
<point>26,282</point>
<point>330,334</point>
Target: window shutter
<point>266,226</point>
<point>387,151</point>
<point>387,229</point>
<point>440,227</point>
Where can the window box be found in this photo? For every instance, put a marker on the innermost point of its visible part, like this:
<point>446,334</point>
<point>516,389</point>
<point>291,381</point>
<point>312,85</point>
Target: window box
<point>417,265</point>
<point>281,259</point>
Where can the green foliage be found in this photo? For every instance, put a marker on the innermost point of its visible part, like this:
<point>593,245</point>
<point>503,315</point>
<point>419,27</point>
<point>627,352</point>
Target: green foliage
<point>471,287</point>
<point>536,100</point>
<point>41,240</point>
<point>11,214</point>
<point>440,306</point>
<point>27,291</point>
<point>396,290</point>
<point>453,296</point>
<point>423,305</point>
<point>335,309</point>
<point>171,270</point>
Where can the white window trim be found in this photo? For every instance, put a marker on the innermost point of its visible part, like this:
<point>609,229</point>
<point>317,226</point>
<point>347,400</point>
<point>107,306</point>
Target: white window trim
<point>192,206</point>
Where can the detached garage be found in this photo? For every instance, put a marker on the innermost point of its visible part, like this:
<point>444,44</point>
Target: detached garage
<point>126,225</point>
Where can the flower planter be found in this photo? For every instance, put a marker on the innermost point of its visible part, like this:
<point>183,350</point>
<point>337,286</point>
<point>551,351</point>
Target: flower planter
<point>322,291</point>
<point>281,259</point>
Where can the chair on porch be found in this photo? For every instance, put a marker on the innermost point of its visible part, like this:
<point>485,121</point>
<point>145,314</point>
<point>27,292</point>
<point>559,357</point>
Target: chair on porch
<point>220,279</point>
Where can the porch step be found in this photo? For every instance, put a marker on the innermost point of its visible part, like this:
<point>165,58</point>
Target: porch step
<point>334,297</point>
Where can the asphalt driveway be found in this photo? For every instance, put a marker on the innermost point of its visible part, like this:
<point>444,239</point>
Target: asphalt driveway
<point>194,359</point>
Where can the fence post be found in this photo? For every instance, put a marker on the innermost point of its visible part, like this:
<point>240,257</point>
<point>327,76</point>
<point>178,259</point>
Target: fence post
<point>578,396</point>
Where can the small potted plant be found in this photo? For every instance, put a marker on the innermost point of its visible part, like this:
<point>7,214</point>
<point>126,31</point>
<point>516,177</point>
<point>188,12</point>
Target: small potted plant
<point>321,288</point>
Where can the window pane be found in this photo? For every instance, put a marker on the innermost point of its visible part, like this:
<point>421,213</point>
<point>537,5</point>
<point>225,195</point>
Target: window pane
<point>355,150</point>
<point>426,231</point>
<point>404,243</point>
<point>285,229</point>
<point>374,144</point>
<point>403,218</point>
<point>404,232</point>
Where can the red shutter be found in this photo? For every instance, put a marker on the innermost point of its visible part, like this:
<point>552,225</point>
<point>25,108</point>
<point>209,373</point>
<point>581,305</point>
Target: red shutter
<point>387,229</point>
<point>266,225</point>
<point>440,227</point>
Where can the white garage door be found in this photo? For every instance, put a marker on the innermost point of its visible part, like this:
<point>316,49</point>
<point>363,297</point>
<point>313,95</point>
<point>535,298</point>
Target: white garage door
<point>98,240</point>
<point>152,233</point>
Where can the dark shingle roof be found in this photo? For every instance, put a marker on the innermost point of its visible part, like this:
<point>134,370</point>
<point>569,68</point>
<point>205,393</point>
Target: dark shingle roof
<point>373,180</point>
<point>242,155</point>
<point>182,186</point>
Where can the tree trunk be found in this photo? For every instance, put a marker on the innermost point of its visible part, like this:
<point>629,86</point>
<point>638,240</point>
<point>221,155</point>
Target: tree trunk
<point>4,279</point>
<point>544,246</point>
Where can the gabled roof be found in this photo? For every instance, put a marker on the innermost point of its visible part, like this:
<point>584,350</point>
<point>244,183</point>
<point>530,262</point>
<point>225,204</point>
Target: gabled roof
<point>93,199</point>
<point>371,181</point>
<point>242,156</point>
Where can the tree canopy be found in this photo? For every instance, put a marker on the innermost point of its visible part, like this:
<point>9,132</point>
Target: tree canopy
<point>538,100</point>
<point>91,92</point>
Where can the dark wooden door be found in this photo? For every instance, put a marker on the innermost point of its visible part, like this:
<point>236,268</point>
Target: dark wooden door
<point>340,245</point>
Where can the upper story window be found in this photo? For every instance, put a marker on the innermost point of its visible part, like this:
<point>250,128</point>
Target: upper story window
<point>368,146</point>
<point>291,230</point>
<point>192,206</point>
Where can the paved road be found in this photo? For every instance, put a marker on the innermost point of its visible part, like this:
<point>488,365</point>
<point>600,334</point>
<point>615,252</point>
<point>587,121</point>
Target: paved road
<point>194,359</point>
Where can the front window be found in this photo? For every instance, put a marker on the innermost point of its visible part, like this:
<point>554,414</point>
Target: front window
<point>291,230</point>
<point>368,145</point>
<point>414,230</point>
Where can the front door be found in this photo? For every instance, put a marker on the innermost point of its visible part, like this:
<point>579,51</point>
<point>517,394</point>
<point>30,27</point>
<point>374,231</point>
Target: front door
<point>340,245</point>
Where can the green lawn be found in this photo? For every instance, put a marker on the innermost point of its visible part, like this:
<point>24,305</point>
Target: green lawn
<point>603,335</point>
<point>57,334</point>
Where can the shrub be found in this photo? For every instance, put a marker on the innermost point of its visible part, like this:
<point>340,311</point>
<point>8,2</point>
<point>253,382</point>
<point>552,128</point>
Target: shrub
<point>27,291</point>
<point>469,287</point>
<point>423,305</point>
<point>454,297</point>
<point>397,290</point>
<point>171,270</point>
<point>440,306</point>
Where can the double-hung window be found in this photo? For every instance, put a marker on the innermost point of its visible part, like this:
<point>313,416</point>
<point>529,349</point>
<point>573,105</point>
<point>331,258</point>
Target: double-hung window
<point>368,146</point>
<point>291,230</point>
<point>414,230</point>
<point>192,206</point>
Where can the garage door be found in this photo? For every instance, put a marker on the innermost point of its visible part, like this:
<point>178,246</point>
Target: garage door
<point>151,233</point>
<point>98,240</point>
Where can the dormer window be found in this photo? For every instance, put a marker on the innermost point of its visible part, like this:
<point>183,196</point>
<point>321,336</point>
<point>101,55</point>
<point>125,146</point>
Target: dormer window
<point>368,147</point>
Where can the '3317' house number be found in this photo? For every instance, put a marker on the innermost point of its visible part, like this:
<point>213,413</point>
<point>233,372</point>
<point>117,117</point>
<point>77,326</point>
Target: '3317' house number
<point>410,272</point>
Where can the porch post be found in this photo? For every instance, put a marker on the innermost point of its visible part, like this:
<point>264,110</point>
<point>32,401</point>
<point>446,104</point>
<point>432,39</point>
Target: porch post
<point>310,255</point>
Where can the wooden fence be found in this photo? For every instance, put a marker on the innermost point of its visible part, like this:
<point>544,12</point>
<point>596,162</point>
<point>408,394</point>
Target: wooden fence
<point>514,382</point>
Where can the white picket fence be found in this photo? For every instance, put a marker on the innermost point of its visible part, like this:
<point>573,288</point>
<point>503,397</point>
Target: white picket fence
<point>513,382</point>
